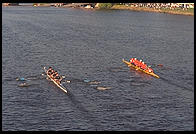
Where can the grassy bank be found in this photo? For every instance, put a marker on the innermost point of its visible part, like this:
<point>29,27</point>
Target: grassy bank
<point>174,11</point>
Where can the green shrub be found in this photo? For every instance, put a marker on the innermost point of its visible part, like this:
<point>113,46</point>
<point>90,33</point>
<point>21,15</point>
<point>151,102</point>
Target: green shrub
<point>105,5</point>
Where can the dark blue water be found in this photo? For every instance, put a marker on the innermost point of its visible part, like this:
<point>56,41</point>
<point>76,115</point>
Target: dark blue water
<point>85,46</point>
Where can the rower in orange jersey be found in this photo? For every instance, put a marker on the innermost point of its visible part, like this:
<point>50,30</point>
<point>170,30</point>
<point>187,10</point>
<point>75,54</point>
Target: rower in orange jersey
<point>140,63</point>
<point>143,66</point>
<point>132,61</point>
<point>136,62</point>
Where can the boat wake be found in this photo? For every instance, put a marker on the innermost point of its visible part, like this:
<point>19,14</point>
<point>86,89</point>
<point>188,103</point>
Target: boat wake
<point>84,112</point>
<point>177,85</point>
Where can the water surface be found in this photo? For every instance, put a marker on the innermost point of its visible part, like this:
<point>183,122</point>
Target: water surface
<point>89,45</point>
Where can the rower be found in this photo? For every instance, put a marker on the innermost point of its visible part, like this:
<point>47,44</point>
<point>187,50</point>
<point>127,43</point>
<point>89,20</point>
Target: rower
<point>54,74</point>
<point>140,63</point>
<point>144,66</point>
<point>136,62</point>
<point>131,60</point>
<point>50,70</point>
<point>150,69</point>
<point>58,79</point>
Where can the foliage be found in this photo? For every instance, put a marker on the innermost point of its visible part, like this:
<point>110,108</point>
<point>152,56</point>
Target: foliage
<point>105,5</point>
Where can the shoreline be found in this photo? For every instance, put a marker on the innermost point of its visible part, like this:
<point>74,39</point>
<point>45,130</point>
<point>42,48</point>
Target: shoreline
<point>120,7</point>
<point>169,11</point>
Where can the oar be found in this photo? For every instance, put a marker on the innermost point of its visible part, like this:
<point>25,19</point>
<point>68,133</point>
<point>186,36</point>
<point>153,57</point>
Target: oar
<point>20,79</point>
<point>68,81</point>
<point>160,65</point>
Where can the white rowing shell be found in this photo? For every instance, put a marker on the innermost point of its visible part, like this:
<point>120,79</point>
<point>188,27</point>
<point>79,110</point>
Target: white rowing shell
<point>60,86</point>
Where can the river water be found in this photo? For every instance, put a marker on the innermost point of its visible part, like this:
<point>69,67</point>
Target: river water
<point>87,46</point>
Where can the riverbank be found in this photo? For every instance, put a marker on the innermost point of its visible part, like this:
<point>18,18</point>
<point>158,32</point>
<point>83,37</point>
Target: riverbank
<point>170,11</point>
<point>177,11</point>
<point>43,5</point>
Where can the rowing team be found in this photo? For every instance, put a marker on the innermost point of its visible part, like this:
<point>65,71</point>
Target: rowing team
<point>54,75</point>
<point>140,64</point>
